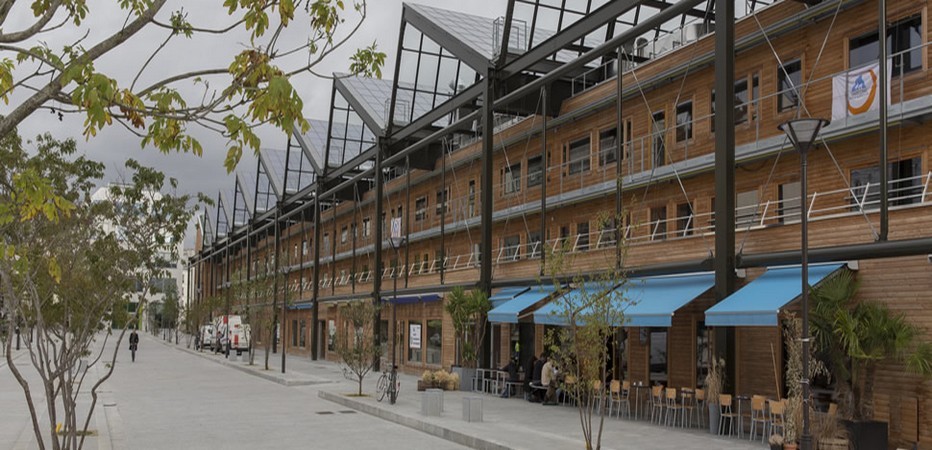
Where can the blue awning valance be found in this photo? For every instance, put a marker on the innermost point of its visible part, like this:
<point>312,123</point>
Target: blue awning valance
<point>759,303</point>
<point>413,298</point>
<point>509,311</point>
<point>653,300</point>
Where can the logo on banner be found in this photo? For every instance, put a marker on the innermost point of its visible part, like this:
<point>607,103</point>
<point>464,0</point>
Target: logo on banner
<point>855,92</point>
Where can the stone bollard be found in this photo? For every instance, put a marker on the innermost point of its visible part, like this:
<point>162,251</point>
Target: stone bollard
<point>472,409</point>
<point>432,402</point>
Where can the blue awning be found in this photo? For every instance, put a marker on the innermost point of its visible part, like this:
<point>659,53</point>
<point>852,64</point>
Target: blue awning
<point>758,303</point>
<point>550,314</point>
<point>509,311</point>
<point>505,294</point>
<point>298,306</point>
<point>653,300</point>
<point>414,298</point>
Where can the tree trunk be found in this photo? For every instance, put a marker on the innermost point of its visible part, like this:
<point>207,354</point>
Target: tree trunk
<point>867,396</point>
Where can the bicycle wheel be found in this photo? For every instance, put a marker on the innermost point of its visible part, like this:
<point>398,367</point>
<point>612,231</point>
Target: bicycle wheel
<point>395,386</point>
<point>382,387</point>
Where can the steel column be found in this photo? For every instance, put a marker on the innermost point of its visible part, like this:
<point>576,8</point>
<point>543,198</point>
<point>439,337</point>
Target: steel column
<point>407,215</point>
<point>724,148</point>
<point>315,290</point>
<point>545,168</point>
<point>488,123</point>
<point>884,81</point>
<point>619,157</point>
<point>377,220</point>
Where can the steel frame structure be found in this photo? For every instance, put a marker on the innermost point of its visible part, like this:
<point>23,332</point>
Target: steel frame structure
<point>508,79</point>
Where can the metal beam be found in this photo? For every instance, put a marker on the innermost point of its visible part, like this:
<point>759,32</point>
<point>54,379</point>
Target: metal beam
<point>506,34</point>
<point>724,148</point>
<point>371,122</point>
<point>607,47</point>
<point>462,98</point>
<point>568,35</point>
<point>661,5</point>
<point>851,252</point>
<point>436,32</point>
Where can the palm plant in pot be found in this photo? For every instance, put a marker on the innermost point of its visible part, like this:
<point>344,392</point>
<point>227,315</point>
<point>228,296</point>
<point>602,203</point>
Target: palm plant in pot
<point>469,313</point>
<point>714,381</point>
<point>857,337</point>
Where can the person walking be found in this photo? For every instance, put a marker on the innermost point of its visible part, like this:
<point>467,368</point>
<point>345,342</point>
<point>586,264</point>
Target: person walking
<point>133,343</point>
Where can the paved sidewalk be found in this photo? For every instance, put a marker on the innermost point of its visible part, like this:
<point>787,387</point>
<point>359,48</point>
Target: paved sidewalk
<point>508,423</point>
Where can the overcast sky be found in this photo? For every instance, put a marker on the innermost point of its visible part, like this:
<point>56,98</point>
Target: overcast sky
<point>205,174</point>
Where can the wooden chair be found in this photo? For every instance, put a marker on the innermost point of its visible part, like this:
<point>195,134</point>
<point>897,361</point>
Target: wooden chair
<point>595,396</point>
<point>758,417</point>
<point>777,415</point>
<point>674,408</point>
<point>725,403</point>
<point>569,392</point>
<point>700,405</point>
<point>618,394</point>
<point>832,409</point>
<point>656,403</point>
<point>690,405</point>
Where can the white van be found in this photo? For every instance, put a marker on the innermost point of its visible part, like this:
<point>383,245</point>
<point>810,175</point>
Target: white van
<point>206,337</point>
<point>230,331</point>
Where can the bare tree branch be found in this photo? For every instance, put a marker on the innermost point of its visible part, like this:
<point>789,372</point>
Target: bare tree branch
<point>35,28</point>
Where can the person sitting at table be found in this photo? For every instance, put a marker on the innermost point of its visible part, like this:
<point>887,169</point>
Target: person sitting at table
<point>512,369</point>
<point>548,379</point>
<point>535,386</point>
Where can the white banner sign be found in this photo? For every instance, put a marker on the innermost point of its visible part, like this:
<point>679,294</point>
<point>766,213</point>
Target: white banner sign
<point>414,335</point>
<point>396,227</point>
<point>856,92</point>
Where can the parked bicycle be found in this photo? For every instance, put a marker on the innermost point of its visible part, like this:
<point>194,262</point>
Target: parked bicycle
<point>389,385</point>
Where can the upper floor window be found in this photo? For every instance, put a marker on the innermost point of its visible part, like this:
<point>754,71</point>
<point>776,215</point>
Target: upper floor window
<point>443,196</point>
<point>511,179</point>
<point>789,77</point>
<point>904,40</point>
<point>685,219</point>
<point>344,233</point>
<point>420,209</point>
<point>535,171</point>
<point>608,147</point>
<point>658,223</point>
<point>790,196</point>
<point>582,236</point>
<point>658,147</point>
<point>512,250</point>
<point>366,227</point>
<point>577,155</point>
<point>746,208</point>
<point>684,121</point>
<point>533,243</point>
<point>904,176</point>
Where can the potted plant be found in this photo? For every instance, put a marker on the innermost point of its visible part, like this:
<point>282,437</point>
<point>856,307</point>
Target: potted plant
<point>857,337</point>
<point>714,381</point>
<point>469,313</point>
<point>776,442</point>
<point>427,380</point>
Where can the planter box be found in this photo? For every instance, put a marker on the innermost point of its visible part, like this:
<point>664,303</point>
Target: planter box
<point>833,444</point>
<point>867,434</point>
<point>715,416</point>
<point>466,376</point>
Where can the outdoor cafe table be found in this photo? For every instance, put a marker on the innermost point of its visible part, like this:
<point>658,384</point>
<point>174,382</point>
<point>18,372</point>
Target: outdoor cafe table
<point>638,387</point>
<point>739,399</point>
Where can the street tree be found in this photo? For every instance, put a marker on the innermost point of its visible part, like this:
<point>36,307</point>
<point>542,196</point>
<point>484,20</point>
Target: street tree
<point>66,276</point>
<point>171,309</point>
<point>356,348</point>
<point>277,41</point>
<point>592,314</point>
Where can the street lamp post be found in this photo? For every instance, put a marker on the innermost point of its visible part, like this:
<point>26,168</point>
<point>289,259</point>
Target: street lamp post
<point>802,134</point>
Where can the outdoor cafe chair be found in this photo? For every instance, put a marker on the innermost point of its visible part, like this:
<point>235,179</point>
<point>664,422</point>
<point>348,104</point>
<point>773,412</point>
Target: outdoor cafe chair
<point>725,403</point>
<point>656,404</point>
<point>675,410</point>
<point>700,405</point>
<point>569,384</point>
<point>758,418</point>
<point>777,415</point>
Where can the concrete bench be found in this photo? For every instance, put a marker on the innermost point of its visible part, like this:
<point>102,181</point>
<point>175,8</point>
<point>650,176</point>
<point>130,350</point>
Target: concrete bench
<point>472,409</point>
<point>432,402</point>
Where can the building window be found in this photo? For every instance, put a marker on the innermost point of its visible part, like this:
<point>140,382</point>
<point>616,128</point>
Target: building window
<point>657,147</point>
<point>434,341</point>
<point>415,341</point>
<point>608,147</point>
<point>684,121</point>
<point>658,355</point>
<point>512,250</point>
<point>606,233</point>
<point>658,223</point>
<point>712,113</point>
<point>789,77</point>
<point>366,227</point>
<point>420,209</point>
<point>746,208</point>
<point>471,199</point>
<point>564,234</point>
<point>326,246</point>
<point>296,252</point>
<point>703,353</point>
<point>533,240</point>
<point>511,179</point>
<point>331,335</point>
<point>685,219</point>
<point>535,171</point>
<point>790,196</point>
<point>302,338</point>
<point>582,236</point>
<point>294,333</point>
<point>905,184</point>
<point>904,40</point>
<point>442,197</point>
<point>304,247</point>
<point>742,101</point>
<point>577,156</point>
<point>629,140</point>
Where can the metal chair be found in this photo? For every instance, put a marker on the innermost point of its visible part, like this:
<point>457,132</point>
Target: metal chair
<point>674,408</point>
<point>725,403</point>
<point>700,406</point>
<point>758,417</point>
<point>777,415</point>
<point>656,404</point>
<point>618,393</point>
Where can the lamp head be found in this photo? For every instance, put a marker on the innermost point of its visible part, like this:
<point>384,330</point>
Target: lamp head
<point>803,132</point>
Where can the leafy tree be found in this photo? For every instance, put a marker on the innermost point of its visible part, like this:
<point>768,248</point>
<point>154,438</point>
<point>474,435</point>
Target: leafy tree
<point>356,348</point>
<point>170,308</point>
<point>857,337</point>
<point>592,313</point>
<point>66,277</point>
<point>469,313</point>
<point>253,88</point>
